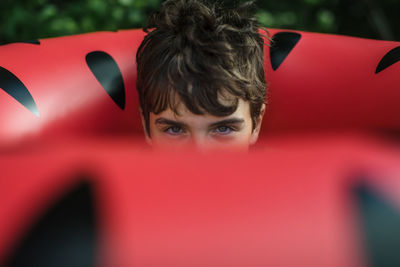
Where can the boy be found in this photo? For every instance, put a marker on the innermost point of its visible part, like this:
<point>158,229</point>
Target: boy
<point>201,77</point>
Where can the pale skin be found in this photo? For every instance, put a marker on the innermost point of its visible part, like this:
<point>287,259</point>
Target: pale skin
<point>204,133</point>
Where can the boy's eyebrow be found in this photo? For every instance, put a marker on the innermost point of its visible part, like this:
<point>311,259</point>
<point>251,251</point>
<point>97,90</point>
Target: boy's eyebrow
<point>167,121</point>
<point>228,121</point>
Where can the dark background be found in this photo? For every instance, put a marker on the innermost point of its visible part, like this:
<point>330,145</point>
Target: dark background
<point>23,20</point>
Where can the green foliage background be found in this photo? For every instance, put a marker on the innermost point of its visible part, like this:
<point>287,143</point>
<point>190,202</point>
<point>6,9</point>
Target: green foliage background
<point>22,20</point>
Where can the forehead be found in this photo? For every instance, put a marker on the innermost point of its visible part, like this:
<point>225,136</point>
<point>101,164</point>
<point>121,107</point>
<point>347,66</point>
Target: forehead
<point>184,115</point>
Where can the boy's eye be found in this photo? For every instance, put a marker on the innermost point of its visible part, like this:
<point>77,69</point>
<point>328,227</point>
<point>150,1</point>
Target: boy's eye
<point>224,129</point>
<point>174,130</point>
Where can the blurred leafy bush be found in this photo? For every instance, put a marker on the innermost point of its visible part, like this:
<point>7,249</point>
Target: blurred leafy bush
<point>30,19</point>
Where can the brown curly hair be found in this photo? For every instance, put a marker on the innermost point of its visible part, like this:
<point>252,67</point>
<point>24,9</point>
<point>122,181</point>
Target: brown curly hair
<point>201,52</point>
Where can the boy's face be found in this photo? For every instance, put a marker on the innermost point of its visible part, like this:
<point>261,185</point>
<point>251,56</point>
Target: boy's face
<point>169,131</point>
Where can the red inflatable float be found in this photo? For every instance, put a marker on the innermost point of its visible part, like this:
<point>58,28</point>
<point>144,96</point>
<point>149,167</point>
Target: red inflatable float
<point>85,84</point>
<point>79,189</point>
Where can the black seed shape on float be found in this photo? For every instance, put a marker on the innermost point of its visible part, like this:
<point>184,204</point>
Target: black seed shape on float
<point>64,236</point>
<point>381,227</point>
<point>389,59</point>
<point>107,72</point>
<point>35,42</point>
<point>281,45</point>
<point>15,88</point>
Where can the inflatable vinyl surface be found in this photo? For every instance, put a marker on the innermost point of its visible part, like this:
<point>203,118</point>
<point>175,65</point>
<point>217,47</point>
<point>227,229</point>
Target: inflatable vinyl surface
<point>301,202</point>
<point>85,85</point>
<point>102,199</point>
